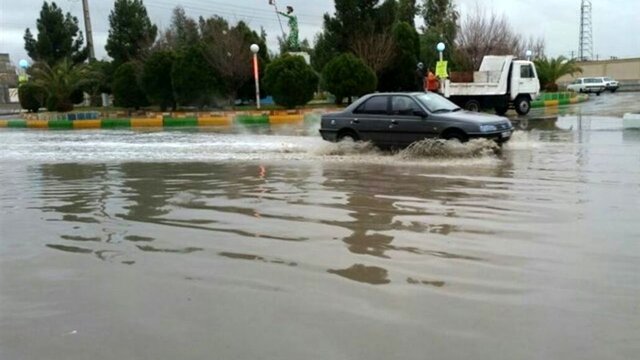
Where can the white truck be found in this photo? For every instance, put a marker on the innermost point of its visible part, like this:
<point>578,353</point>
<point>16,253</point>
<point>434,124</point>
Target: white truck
<point>500,83</point>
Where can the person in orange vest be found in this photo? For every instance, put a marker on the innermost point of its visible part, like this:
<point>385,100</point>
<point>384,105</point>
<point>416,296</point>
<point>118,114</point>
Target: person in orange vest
<point>432,81</point>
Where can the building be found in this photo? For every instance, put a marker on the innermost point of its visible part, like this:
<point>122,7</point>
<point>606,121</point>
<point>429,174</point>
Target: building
<point>8,78</point>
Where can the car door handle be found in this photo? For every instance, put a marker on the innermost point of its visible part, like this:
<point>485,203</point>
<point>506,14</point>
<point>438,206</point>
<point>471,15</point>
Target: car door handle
<point>394,122</point>
<point>355,121</point>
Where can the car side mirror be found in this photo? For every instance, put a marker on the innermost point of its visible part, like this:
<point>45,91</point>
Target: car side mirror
<point>420,113</point>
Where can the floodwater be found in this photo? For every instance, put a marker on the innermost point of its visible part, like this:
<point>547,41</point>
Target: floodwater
<point>277,245</point>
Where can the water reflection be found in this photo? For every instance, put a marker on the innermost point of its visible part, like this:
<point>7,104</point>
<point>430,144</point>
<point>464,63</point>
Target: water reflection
<point>392,219</point>
<point>366,274</point>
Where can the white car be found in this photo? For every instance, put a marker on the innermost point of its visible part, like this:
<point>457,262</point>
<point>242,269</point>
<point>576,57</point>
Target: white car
<point>610,83</point>
<point>588,85</point>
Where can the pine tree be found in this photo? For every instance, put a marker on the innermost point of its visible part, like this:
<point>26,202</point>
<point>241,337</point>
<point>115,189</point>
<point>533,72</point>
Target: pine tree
<point>58,38</point>
<point>131,33</point>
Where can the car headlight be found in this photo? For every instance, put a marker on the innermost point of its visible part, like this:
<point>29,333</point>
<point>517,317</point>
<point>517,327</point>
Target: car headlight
<point>488,128</point>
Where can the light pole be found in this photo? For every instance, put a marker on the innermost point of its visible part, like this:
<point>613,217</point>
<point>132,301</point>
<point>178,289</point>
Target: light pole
<point>22,73</point>
<point>254,49</point>
<point>440,48</point>
<point>529,53</point>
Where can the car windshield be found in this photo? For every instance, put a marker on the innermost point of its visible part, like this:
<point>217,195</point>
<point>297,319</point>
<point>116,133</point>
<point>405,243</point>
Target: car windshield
<point>436,103</point>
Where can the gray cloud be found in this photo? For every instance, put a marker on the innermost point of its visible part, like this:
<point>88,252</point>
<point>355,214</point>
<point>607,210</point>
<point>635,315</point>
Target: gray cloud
<point>615,27</point>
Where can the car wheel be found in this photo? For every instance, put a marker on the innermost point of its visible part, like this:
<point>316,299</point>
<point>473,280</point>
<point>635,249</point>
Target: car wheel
<point>455,134</point>
<point>613,90</point>
<point>523,105</point>
<point>347,136</point>
<point>472,105</point>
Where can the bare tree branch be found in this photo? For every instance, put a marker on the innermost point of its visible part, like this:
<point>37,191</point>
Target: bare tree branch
<point>376,50</point>
<point>483,33</point>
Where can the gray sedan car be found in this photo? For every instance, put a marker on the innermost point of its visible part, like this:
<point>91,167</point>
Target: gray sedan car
<point>395,120</point>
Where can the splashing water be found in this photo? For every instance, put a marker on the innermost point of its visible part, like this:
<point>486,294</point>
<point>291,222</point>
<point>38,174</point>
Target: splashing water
<point>449,149</point>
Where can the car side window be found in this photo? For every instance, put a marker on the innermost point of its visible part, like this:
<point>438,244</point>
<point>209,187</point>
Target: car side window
<point>403,105</point>
<point>526,72</point>
<point>376,105</point>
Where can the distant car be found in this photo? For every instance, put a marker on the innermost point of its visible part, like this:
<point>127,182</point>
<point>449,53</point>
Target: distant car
<point>588,85</point>
<point>610,83</point>
<point>395,120</point>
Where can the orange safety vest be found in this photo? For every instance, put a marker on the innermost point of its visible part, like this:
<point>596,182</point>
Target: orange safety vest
<point>432,82</point>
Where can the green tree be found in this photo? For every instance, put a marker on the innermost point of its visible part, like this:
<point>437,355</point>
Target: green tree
<point>183,31</point>
<point>61,81</point>
<point>32,97</point>
<point>347,76</point>
<point>156,79</point>
<point>194,81</point>
<point>351,18</point>
<point>323,51</point>
<point>407,11</point>
<point>550,70</point>
<point>227,49</point>
<point>126,87</point>
<point>400,75</point>
<point>131,33</point>
<point>58,37</point>
<point>290,81</point>
<point>440,25</point>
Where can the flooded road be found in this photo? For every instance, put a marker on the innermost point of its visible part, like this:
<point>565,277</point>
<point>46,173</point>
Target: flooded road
<point>208,245</point>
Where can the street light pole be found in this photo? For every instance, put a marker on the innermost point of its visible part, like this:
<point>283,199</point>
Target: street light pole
<point>87,25</point>
<point>528,53</point>
<point>254,49</point>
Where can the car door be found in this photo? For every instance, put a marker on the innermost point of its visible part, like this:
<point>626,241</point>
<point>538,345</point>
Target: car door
<point>371,120</point>
<point>406,125</point>
<point>528,82</point>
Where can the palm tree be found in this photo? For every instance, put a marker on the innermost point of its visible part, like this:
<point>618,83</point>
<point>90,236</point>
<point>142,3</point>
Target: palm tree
<point>61,81</point>
<point>550,70</point>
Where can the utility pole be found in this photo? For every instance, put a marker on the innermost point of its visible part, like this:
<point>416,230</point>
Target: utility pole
<point>87,25</point>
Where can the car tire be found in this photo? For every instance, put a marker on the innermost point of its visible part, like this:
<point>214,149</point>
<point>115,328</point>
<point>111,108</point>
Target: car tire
<point>613,90</point>
<point>523,105</point>
<point>349,136</point>
<point>455,134</point>
<point>472,105</point>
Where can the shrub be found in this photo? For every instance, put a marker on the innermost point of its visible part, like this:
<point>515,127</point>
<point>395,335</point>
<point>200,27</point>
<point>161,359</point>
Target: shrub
<point>290,81</point>
<point>347,76</point>
<point>31,96</point>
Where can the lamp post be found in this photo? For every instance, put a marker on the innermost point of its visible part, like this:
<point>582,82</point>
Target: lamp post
<point>254,49</point>
<point>22,73</point>
<point>528,53</point>
<point>440,48</point>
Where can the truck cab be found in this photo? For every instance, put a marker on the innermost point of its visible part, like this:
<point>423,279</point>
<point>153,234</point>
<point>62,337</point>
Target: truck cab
<point>502,82</point>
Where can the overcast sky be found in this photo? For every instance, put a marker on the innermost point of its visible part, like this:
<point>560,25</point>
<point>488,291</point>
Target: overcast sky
<point>616,28</point>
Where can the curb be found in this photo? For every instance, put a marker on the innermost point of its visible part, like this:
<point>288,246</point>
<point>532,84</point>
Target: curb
<point>166,122</point>
<point>557,99</point>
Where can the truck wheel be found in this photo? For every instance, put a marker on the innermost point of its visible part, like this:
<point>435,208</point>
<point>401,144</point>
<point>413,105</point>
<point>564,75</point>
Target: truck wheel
<point>472,105</point>
<point>523,105</point>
